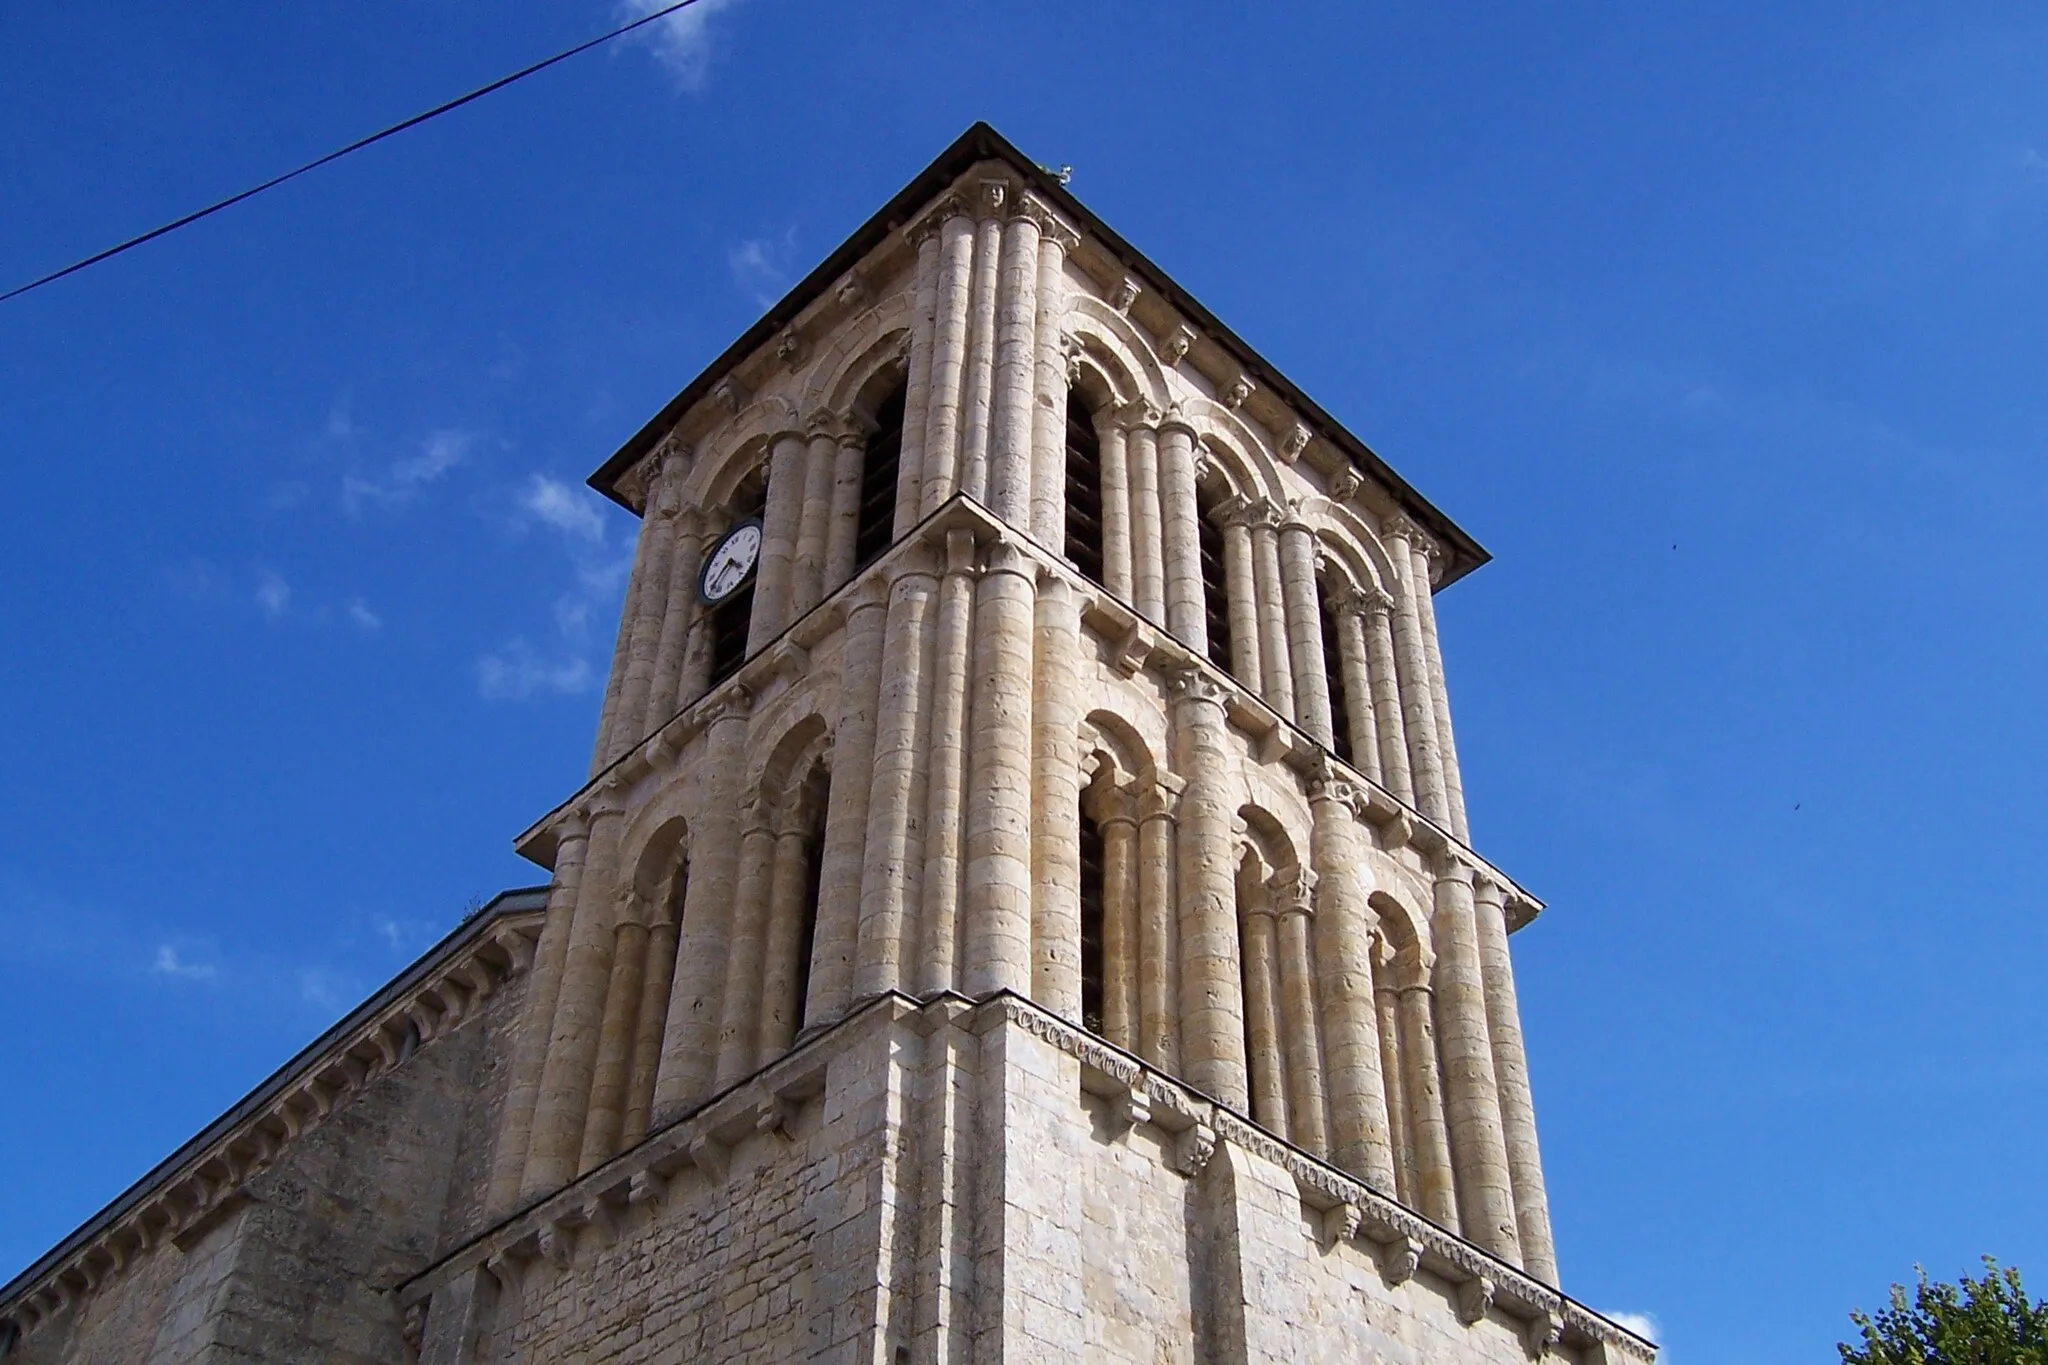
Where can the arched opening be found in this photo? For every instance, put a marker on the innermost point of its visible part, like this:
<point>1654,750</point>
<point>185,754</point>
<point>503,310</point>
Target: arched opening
<point>1084,489</point>
<point>1333,674</point>
<point>1215,585</point>
<point>1094,907</point>
<point>807,918</point>
<point>878,470</point>
<point>730,618</point>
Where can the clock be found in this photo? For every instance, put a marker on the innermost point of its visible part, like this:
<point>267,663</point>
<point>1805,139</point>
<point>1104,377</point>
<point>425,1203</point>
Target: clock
<point>730,564</point>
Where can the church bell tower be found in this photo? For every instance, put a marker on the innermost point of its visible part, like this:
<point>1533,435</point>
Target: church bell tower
<point>1022,905</point>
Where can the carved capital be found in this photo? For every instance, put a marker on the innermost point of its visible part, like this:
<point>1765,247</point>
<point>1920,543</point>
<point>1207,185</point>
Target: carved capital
<point>1125,294</point>
<point>1176,345</point>
<point>1293,891</point>
<point>1399,526</point>
<point>946,206</point>
<point>1051,231</point>
<point>1175,418</point>
<point>1192,684</point>
<point>734,702</point>
<point>1137,414</point>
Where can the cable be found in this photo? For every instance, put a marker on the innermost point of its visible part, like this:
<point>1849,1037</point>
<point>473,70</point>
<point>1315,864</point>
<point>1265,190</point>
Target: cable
<point>355,146</point>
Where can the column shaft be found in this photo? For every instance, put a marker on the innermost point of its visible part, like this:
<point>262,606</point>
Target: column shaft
<point>606,1118</point>
<point>747,947</point>
<point>1343,928</point>
<point>650,1019</point>
<point>1386,699</point>
<point>609,722</point>
<point>1511,1069</point>
<point>1486,1201</point>
<point>843,531</point>
<point>537,1019</point>
<point>1110,439</point>
<point>1308,1105</point>
<point>1274,666</point>
<point>781,999</point>
<point>1387,1000</point>
<point>1241,582</point>
<point>1049,398</point>
<point>1180,537</point>
<point>689,1040</point>
<point>846,807</point>
<point>1305,632</point>
<point>1418,711</point>
<point>1356,675</point>
<point>977,402</point>
<point>786,469</point>
<point>998,822</point>
<point>1262,1021</point>
<point>1120,929</point>
<point>676,619</point>
<point>1158,936</point>
<point>1439,695</point>
<point>650,604</point>
<point>894,861</point>
<point>1211,993</point>
<point>1056,800</point>
<point>917,389</point>
<point>945,807</point>
<point>943,412</point>
<point>1436,1185</point>
<point>1016,366</point>
<point>807,572</point>
<point>559,1110</point>
<point>1148,569</point>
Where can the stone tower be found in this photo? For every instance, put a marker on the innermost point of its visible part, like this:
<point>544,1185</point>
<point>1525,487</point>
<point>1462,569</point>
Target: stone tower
<point>1021,907</point>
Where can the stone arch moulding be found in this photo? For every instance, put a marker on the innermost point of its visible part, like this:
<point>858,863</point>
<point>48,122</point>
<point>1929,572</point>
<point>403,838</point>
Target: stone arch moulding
<point>861,348</point>
<point>742,448</point>
<point>1109,734</point>
<point>1271,792</point>
<point>1345,532</point>
<point>1404,927</point>
<point>795,750</point>
<point>1269,839</point>
<point>1236,448</point>
<point>656,841</point>
<point>1115,337</point>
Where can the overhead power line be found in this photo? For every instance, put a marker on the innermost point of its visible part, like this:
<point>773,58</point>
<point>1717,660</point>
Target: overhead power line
<point>415,121</point>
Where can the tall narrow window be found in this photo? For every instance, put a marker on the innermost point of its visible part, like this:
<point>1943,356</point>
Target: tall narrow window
<point>1215,592</point>
<point>730,618</point>
<point>1093,905</point>
<point>878,469</point>
<point>1333,673</point>
<point>1084,489</point>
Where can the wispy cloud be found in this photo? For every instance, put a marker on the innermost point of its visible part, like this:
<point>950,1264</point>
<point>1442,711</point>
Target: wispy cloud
<point>760,266</point>
<point>519,671</point>
<point>404,478</point>
<point>681,42</point>
<point>273,594</point>
<point>568,510</point>
<point>169,963</point>
<point>360,615</point>
<point>1644,1325</point>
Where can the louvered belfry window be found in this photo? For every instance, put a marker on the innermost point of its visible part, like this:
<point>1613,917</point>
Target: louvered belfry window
<point>1333,673</point>
<point>1215,592</point>
<point>1084,490</point>
<point>878,483</point>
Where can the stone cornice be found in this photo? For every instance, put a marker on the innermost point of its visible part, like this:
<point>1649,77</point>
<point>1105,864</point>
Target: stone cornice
<point>434,995</point>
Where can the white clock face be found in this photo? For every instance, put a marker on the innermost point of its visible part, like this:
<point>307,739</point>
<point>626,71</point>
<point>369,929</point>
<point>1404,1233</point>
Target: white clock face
<point>731,562</point>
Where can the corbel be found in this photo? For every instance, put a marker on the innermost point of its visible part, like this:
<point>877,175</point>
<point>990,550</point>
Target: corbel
<point>1400,1258</point>
<point>1294,442</point>
<point>710,1156</point>
<point>1541,1333</point>
<point>1475,1296</point>
<point>1236,392</point>
<point>1176,345</point>
<point>1125,294</point>
<point>789,347</point>
<point>1340,1224</point>
<point>731,394</point>
<point>1193,1147</point>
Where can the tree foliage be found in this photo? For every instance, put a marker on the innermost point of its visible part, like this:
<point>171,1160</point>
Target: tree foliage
<point>1977,1322</point>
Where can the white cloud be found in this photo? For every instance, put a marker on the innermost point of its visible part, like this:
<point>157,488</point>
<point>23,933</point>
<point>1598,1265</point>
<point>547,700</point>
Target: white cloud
<point>518,671</point>
<point>361,616</point>
<point>273,594</point>
<point>564,508</point>
<point>168,963</point>
<point>440,452</point>
<point>680,42</point>
<point>760,266</point>
<point>1643,1325</point>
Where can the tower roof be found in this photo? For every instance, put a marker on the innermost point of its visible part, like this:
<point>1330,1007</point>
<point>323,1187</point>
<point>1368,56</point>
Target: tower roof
<point>982,143</point>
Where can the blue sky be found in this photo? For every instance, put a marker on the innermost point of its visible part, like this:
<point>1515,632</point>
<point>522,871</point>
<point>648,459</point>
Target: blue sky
<point>1721,326</point>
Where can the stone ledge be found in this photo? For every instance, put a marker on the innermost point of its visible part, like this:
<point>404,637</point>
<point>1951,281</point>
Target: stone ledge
<point>195,1185</point>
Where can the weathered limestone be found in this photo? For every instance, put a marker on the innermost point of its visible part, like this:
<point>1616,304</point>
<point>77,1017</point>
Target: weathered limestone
<point>795,1062</point>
